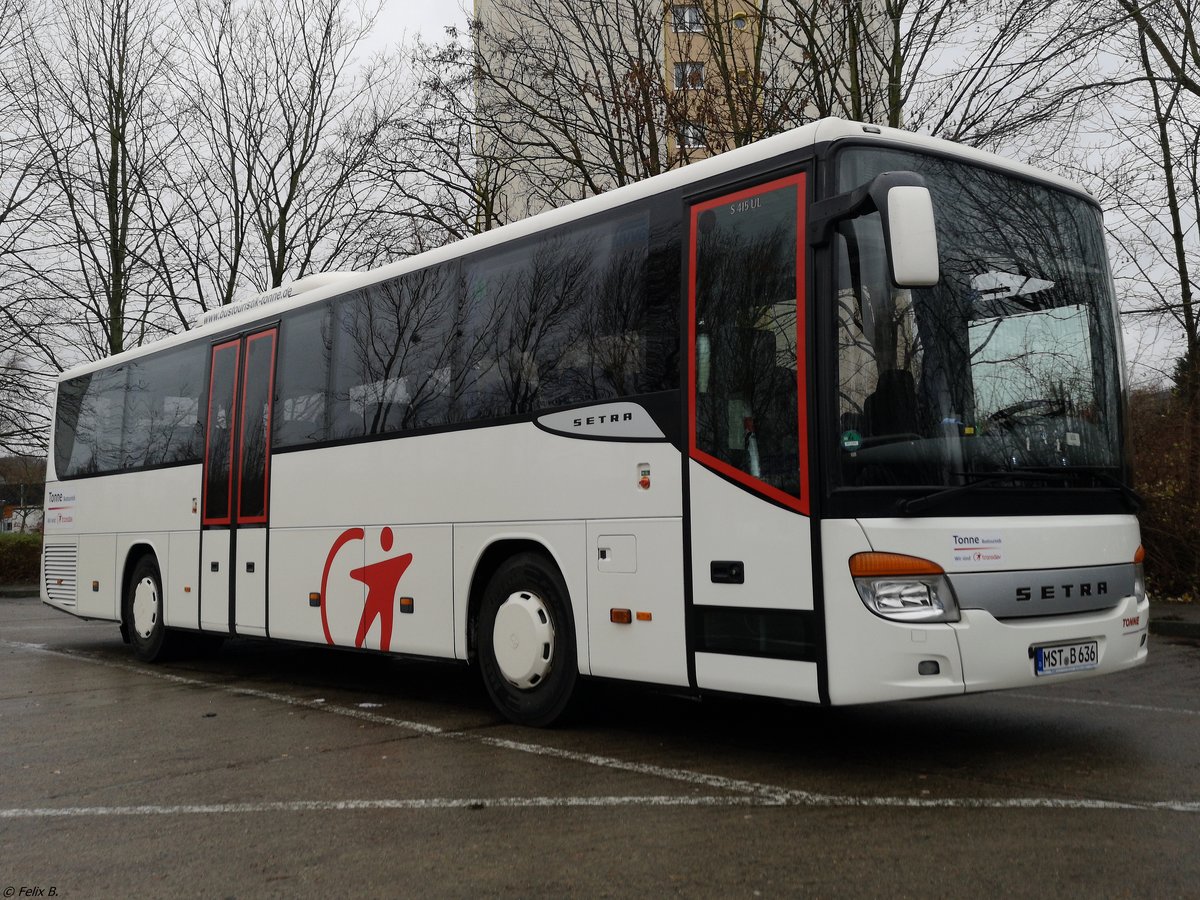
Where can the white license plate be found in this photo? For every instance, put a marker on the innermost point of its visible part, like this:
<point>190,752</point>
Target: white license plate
<point>1062,658</point>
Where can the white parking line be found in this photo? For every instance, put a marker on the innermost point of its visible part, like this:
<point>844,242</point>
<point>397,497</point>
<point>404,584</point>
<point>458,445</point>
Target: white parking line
<point>742,792</point>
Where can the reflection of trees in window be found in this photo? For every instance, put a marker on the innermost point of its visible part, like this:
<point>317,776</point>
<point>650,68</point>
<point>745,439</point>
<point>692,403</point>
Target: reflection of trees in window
<point>256,412</point>
<point>90,420</point>
<point>570,320</point>
<point>562,320</point>
<point>305,361</point>
<point>394,350</point>
<point>143,413</point>
<point>1010,249</point>
<point>162,408</point>
<point>537,302</point>
<point>220,423</point>
<point>746,410</point>
<point>613,357</point>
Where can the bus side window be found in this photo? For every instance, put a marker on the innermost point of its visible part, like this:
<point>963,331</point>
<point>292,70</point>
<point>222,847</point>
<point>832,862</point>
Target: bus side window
<point>97,402</point>
<point>162,408</point>
<point>305,353</point>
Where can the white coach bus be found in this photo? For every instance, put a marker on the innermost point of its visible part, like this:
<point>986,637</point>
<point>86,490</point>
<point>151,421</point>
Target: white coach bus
<point>837,417</point>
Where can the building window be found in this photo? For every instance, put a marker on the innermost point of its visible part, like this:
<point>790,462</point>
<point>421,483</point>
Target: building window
<point>740,22</point>
<point>686,19</point>
<point>691,137</point>
<point>689,76</point>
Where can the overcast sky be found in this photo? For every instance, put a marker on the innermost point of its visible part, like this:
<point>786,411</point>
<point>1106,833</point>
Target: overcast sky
<point>403,18</point>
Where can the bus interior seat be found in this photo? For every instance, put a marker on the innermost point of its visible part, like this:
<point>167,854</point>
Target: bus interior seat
<point>892,407</point>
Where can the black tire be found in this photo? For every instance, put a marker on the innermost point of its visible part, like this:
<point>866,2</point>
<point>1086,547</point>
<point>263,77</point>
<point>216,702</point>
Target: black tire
<point>142,612</point>
<point>532,679</point>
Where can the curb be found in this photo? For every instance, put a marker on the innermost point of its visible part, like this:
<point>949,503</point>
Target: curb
<point>1182,623</point>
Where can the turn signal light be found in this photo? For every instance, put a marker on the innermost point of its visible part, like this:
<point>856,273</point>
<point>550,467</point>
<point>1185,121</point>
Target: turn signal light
<point>1140,556</point>
<point>620,616</point>
<point>872,565</point>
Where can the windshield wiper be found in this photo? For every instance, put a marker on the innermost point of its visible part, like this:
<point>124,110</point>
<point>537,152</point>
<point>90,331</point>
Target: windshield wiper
<point>983,479</point>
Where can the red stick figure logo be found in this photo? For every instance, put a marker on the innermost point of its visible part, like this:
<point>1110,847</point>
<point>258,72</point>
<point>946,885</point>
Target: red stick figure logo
<point>381,579</point>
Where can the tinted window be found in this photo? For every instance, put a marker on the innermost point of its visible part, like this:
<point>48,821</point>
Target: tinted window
<point>256,425</point>
<point>88,429</point>
<point>162,408</point>
<point>394,346</point>
<point>565,321</point>
<point>305,352</point>
<point>746,332</point>
<point>219,451</point>
<point>576,317</point>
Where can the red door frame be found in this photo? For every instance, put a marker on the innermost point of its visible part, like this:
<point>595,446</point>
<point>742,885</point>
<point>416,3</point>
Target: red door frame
<point>800,503</point>
<point>232,520</point>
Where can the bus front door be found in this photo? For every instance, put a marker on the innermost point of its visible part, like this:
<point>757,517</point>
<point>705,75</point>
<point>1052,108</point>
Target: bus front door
<point>752,622</point>
<point>236,490</point>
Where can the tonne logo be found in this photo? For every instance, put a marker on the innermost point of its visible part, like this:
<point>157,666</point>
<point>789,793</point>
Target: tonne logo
<point>381,579</point>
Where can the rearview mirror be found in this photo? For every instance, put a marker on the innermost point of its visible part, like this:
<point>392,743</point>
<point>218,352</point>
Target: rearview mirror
<point>911,238</point>
<point>906,213</point>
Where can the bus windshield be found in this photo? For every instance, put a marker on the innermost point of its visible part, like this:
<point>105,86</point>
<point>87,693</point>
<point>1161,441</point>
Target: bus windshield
<point>1008,366</point>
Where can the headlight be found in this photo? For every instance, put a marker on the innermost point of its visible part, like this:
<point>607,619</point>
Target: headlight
<point>904,588</point>
<point>1139,575</point>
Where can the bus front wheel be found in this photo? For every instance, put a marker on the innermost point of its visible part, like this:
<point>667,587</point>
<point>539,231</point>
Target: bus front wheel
<point>142,611</point>
<point>526,641</point>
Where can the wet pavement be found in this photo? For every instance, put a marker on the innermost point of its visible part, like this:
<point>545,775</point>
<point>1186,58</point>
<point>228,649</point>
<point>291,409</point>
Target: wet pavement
<point>278,770</point>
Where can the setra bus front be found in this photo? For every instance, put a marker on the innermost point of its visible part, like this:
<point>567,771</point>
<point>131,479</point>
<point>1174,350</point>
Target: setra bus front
<point>977,530</point>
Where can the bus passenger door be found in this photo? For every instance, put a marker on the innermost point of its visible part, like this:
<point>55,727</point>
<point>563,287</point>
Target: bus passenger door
<point>236,491</point>
<point>751,614</point>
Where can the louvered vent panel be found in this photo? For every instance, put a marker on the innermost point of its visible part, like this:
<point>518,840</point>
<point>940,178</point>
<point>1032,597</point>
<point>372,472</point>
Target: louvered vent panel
<point>62,565</point>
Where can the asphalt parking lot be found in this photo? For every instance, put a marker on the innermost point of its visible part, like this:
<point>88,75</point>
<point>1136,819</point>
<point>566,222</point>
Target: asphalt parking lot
<point>272,770</point>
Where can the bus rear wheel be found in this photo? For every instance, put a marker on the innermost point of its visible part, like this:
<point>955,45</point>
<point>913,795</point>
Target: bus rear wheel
<point>526,641</point>
<point>142,611</point>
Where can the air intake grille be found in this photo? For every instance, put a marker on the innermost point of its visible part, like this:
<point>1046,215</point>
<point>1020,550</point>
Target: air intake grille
<point>61,573</point>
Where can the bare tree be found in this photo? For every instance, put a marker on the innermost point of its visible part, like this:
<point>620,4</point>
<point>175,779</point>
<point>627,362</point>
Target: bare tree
<point>1148,175</point>
<point>570,96</point>
<point>975,71</point>
<point>438,171</point>
<point>95,72</point>
<point>22,208</point>
<point>577,98</point>
<point>281,122</point>
<point>1169,30</point>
